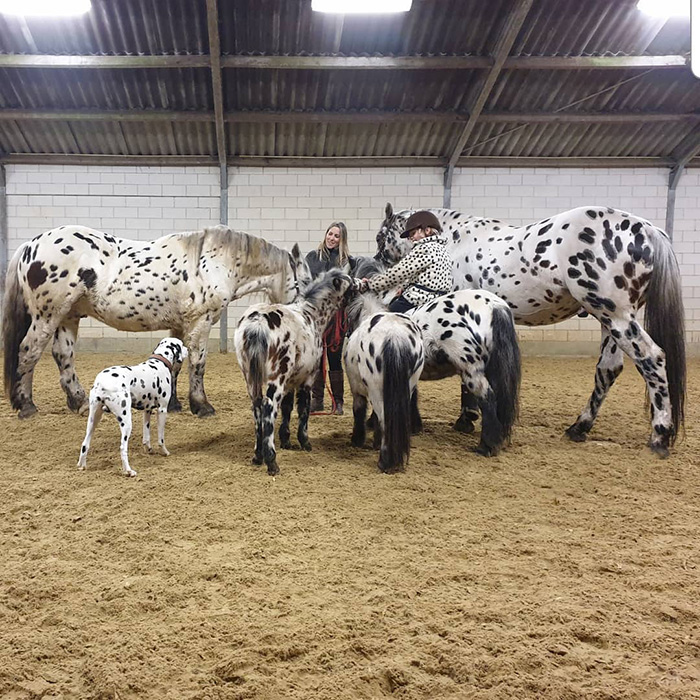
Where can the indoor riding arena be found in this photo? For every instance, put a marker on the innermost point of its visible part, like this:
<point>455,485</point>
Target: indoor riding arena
<point>435,234</point>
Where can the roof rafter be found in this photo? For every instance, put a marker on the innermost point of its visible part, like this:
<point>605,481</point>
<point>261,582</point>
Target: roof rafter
<point>346,62</point>
<point>345,116</point>
<point>504,44</point>
<point>216,80</point>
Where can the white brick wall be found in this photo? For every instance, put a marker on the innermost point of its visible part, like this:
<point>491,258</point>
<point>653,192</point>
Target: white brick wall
<point>287,205</point>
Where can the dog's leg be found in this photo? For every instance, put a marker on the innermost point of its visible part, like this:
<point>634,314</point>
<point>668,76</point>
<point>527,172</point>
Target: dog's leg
<point>146,431</point>
<point>162,415</point>
<point>124,420</point>
<point>92,423</point>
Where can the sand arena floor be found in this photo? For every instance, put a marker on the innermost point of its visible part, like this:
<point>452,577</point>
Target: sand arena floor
<point>555,570</point>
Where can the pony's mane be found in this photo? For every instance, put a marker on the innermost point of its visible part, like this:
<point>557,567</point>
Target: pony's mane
<point>318,288</point>
<point>368,267</point>
<point>362,306</point>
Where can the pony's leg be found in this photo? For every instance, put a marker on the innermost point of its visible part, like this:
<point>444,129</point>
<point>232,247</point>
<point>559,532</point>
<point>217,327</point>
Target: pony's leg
<point>270,407</point>
<point>359,413</point>
<point>162,417</point>
<point>197,347</point>
<point>378,414</point>
<point>63,353</point>
<point>146,446</point>
<point>609,366</point>
<point>416,420</point>
<point>258,420</point>
<point>303,411</point>
<point>92,422</point>
<point>32,346</point>
<point>469,413</point>
<point>287,405</point>
<point>492,431</point>
<point>174,405</point>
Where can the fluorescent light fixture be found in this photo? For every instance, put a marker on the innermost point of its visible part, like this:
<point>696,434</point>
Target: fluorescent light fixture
<point>45,8</point>
<point>664,8</point>
<point>361,7</point>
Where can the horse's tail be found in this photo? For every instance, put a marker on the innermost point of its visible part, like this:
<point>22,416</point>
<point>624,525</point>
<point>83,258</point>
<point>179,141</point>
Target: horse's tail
<point>399,362</point>
<point>16,321</point>
<point>664,321</point>
<point>503,371</point>
<point>255,347</point>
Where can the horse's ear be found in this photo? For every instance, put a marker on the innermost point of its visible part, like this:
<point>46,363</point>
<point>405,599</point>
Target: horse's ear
<point>296,253</point>
<point>389,211</point>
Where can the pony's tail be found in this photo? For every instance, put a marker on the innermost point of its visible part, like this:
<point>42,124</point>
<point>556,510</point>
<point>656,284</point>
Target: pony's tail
<point>16,321</point>
<point>664,321</point>
<point>503,374</point>
<point>399,363</point>
<point>255,347</point>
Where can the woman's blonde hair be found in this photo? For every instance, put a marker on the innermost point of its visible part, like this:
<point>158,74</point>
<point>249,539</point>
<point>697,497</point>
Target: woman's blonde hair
<point>343,250</point>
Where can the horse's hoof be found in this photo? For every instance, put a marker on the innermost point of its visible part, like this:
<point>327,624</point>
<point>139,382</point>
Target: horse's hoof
<point>285,445</point>
<point>306,446</point>
<point>463,425</point>
<point>257,461</point>
<point>661,451</point>
<point>27,411</point>
<point>175,407</point>
<point>485,451</point>
<point>389,470</point>
<point>84,409</point>
<point>205,411</point>
<point>576,433</point>
<point>357,442</point>
<point>273,469</point>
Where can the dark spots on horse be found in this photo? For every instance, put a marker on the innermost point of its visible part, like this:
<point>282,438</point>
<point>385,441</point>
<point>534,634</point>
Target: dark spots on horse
<point>573,272</point>
<point>185,276</point>
<point>445,335</point>
<point>375,320</point>
<point>620,282</point>
<point>273,319</point>
<point>590,213</point>
<point>37,274</point>
<point>87,276</point>
<point>590,271</point>
<point>587,284</point>
<point>628,269</point>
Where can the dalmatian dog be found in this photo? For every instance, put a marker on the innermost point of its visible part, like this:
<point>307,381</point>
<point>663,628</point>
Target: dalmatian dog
<point>146,387</point>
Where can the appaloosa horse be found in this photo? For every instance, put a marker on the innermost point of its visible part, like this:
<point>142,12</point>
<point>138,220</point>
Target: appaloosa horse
<point>181,282</point>
<point>279,348</point>
<point>608,262</point>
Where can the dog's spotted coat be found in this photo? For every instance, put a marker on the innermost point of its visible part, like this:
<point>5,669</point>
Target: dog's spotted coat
<point>606,261</point>
<point>146,387</point>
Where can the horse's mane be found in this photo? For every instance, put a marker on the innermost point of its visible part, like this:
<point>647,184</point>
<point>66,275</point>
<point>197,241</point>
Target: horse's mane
<point>257,256</point>
<point>362,306</point>
<point>368,267</point>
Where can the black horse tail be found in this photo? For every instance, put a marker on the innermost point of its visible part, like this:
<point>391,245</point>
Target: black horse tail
<point>399,362</point>
<point>16,321</point>
<point>503,372</point>
<point>664,321</point>
<point>255,348</point>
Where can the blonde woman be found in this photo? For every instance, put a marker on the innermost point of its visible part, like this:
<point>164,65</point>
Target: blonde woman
<point>332,252</point>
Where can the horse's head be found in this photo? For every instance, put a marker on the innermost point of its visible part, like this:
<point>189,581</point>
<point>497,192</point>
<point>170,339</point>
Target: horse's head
<point>390,246</point>
<point>298,274</point>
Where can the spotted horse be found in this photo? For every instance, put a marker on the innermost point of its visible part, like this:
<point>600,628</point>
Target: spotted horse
<point>384,360</point>
<point>606,261</point>
<point>180,282</point>
<point>279,347</point>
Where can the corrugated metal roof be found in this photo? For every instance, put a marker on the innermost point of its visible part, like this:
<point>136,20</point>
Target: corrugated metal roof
<point>289,28</point>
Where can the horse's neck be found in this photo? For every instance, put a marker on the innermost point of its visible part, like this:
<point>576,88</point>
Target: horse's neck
<point>320,312</point>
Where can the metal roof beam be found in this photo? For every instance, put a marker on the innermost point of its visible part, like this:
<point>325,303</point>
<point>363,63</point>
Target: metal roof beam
<point>347,62</point>
<point>506,39</point>
<point>48,61</point>
<point>216,80</point>
<point>344,117</point>
<point>342,161</point>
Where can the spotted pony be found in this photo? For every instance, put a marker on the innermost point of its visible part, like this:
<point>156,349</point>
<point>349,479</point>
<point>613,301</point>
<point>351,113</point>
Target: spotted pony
<point>384,360</point>
<point>607,262</point>
<point>279,348</point>
<point>180,282</point>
